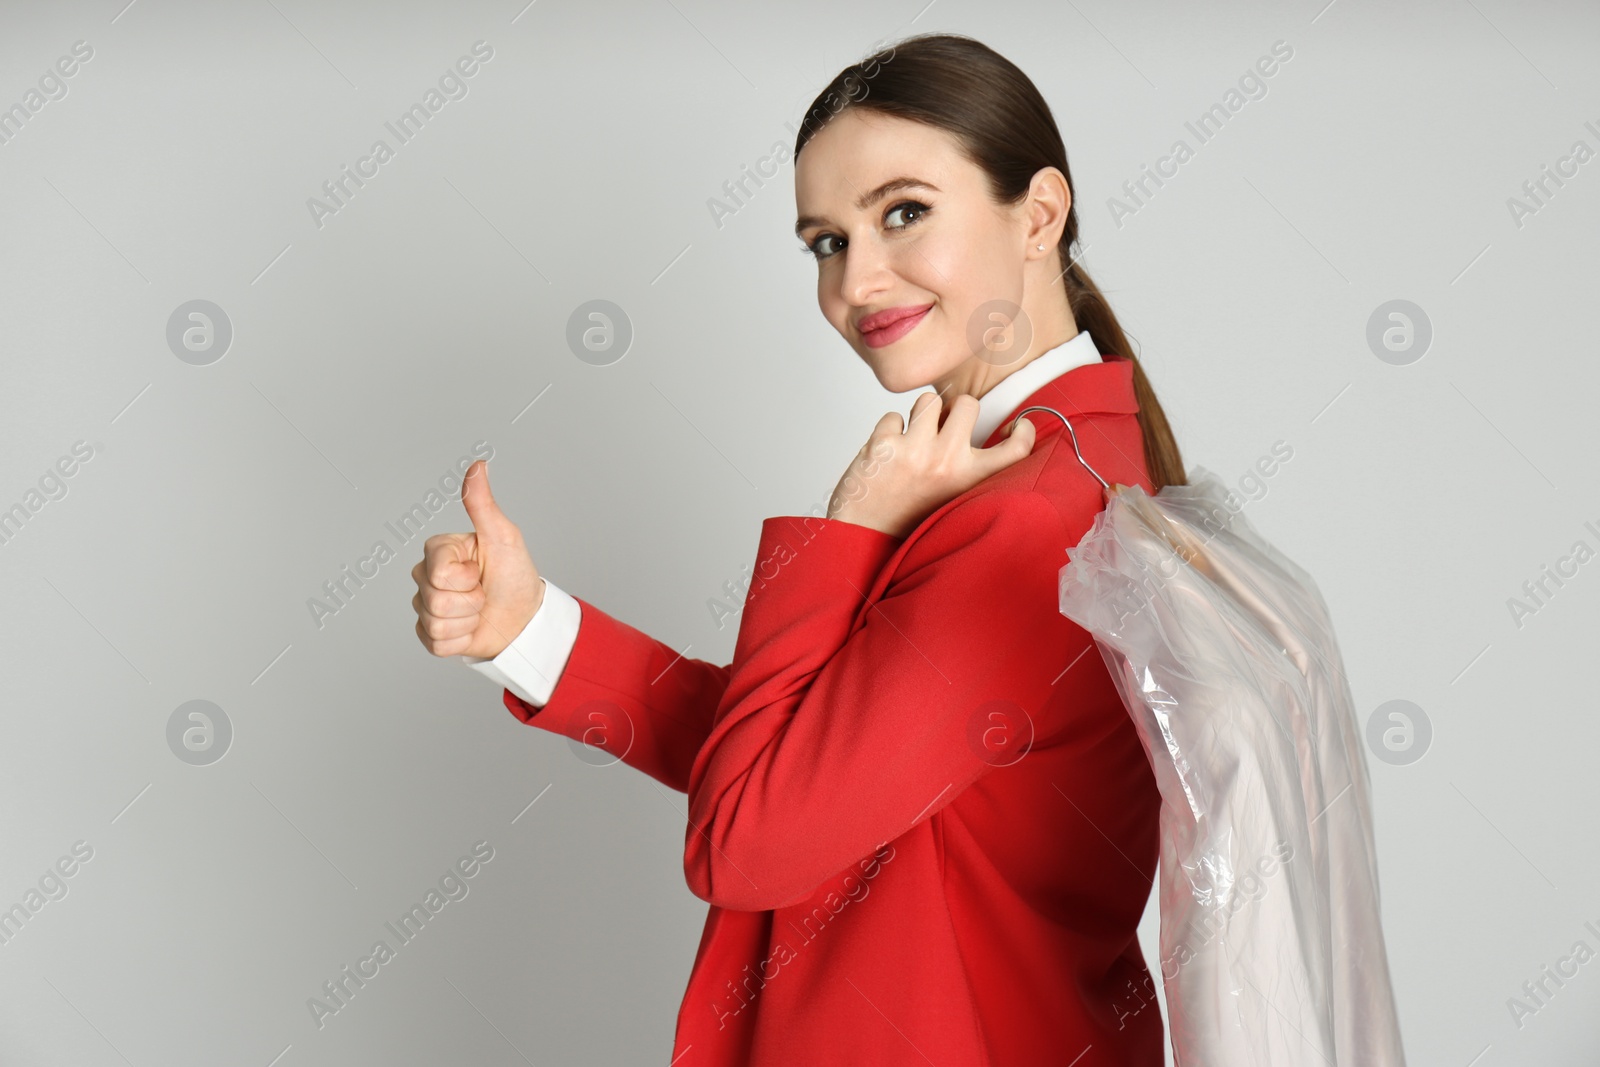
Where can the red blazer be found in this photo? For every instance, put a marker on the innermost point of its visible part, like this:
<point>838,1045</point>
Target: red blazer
<point>919,811</point>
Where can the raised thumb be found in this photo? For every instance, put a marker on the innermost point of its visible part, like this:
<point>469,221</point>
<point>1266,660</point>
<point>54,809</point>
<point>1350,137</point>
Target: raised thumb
<point>487,518</point>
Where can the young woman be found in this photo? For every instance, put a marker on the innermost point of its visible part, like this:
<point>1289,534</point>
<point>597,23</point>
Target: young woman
<point>918,809</point>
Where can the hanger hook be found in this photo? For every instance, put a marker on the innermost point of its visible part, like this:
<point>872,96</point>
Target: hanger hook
<point>1040,407</point>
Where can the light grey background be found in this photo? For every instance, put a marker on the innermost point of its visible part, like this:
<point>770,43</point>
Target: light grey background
<point>431,312</point>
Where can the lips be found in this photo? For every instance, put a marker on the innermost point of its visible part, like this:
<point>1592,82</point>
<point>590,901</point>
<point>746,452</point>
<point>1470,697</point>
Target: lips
<point>886,327</point>
<point>888,317</point>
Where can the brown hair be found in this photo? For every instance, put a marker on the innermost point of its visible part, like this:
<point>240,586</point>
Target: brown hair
<point>993,110</point>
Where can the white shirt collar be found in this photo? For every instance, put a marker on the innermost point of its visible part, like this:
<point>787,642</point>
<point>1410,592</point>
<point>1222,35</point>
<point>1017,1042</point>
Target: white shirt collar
<point>1014,388</point>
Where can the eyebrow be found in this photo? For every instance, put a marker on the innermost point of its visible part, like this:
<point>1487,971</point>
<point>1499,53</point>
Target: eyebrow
<point>866,200</point>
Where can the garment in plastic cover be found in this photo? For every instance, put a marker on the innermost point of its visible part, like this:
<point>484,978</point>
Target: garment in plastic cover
<point>1272,945</point>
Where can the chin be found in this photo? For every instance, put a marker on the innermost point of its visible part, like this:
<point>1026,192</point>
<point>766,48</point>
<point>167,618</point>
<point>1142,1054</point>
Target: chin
<point>903,372</point>
<point>899,379</point>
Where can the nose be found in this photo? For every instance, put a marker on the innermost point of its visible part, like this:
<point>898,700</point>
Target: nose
<point>867,272</point>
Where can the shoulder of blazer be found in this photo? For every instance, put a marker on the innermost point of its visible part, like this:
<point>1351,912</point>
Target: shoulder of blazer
<point>992,492</point>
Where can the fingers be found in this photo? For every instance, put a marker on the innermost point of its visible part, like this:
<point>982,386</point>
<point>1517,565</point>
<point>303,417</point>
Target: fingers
<point>931,416</point>
<point>1017,444</point>
<point>920,408</point>
<point>448,646</point>
<point>446,621</point>
<point>1022,435</point>
<point>448,562</point>
<point>449,596</point>
<point>889,425</point>
<point>931,419</point>
<point>962,418</point>
<point>444,629</point>
<point>448,604</point>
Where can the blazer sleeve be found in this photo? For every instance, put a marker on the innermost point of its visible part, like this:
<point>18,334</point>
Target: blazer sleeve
<point>840,731</point>
<point>625,692</point>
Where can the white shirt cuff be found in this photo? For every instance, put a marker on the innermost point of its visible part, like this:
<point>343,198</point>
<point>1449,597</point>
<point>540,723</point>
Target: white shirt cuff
<point>532,663</point>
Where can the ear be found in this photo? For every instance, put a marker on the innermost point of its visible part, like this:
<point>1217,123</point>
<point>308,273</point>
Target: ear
<point>1049,201</point>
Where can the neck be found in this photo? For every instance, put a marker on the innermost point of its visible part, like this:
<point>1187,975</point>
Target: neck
<point>979,374</point>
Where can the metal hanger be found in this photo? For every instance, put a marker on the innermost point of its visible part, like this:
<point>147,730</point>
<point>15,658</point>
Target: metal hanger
<point>1040,407</point>
<point>1189,547</point>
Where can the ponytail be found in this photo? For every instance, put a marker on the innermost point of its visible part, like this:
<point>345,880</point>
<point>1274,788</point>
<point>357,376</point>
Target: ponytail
<point>1093,313</point>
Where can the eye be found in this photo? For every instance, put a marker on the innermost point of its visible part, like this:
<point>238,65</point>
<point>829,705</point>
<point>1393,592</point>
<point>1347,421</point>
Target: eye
<point>918,209</point>
<point>915,207</point>
<point>815,249</point>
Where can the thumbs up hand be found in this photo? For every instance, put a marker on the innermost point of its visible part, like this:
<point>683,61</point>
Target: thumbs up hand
<point>475,591</point>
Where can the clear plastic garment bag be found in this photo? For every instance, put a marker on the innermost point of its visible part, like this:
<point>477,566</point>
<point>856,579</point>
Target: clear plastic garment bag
<point>1272,947</point>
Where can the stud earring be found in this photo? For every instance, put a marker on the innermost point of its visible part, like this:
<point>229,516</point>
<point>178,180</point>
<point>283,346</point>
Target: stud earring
<point>1040,247</point>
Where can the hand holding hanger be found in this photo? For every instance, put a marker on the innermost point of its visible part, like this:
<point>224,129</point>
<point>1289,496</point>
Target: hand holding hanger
<point>903,474</point>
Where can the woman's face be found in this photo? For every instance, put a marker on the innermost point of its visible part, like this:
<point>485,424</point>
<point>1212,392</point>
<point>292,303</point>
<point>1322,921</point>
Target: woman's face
<point>939,243</point>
